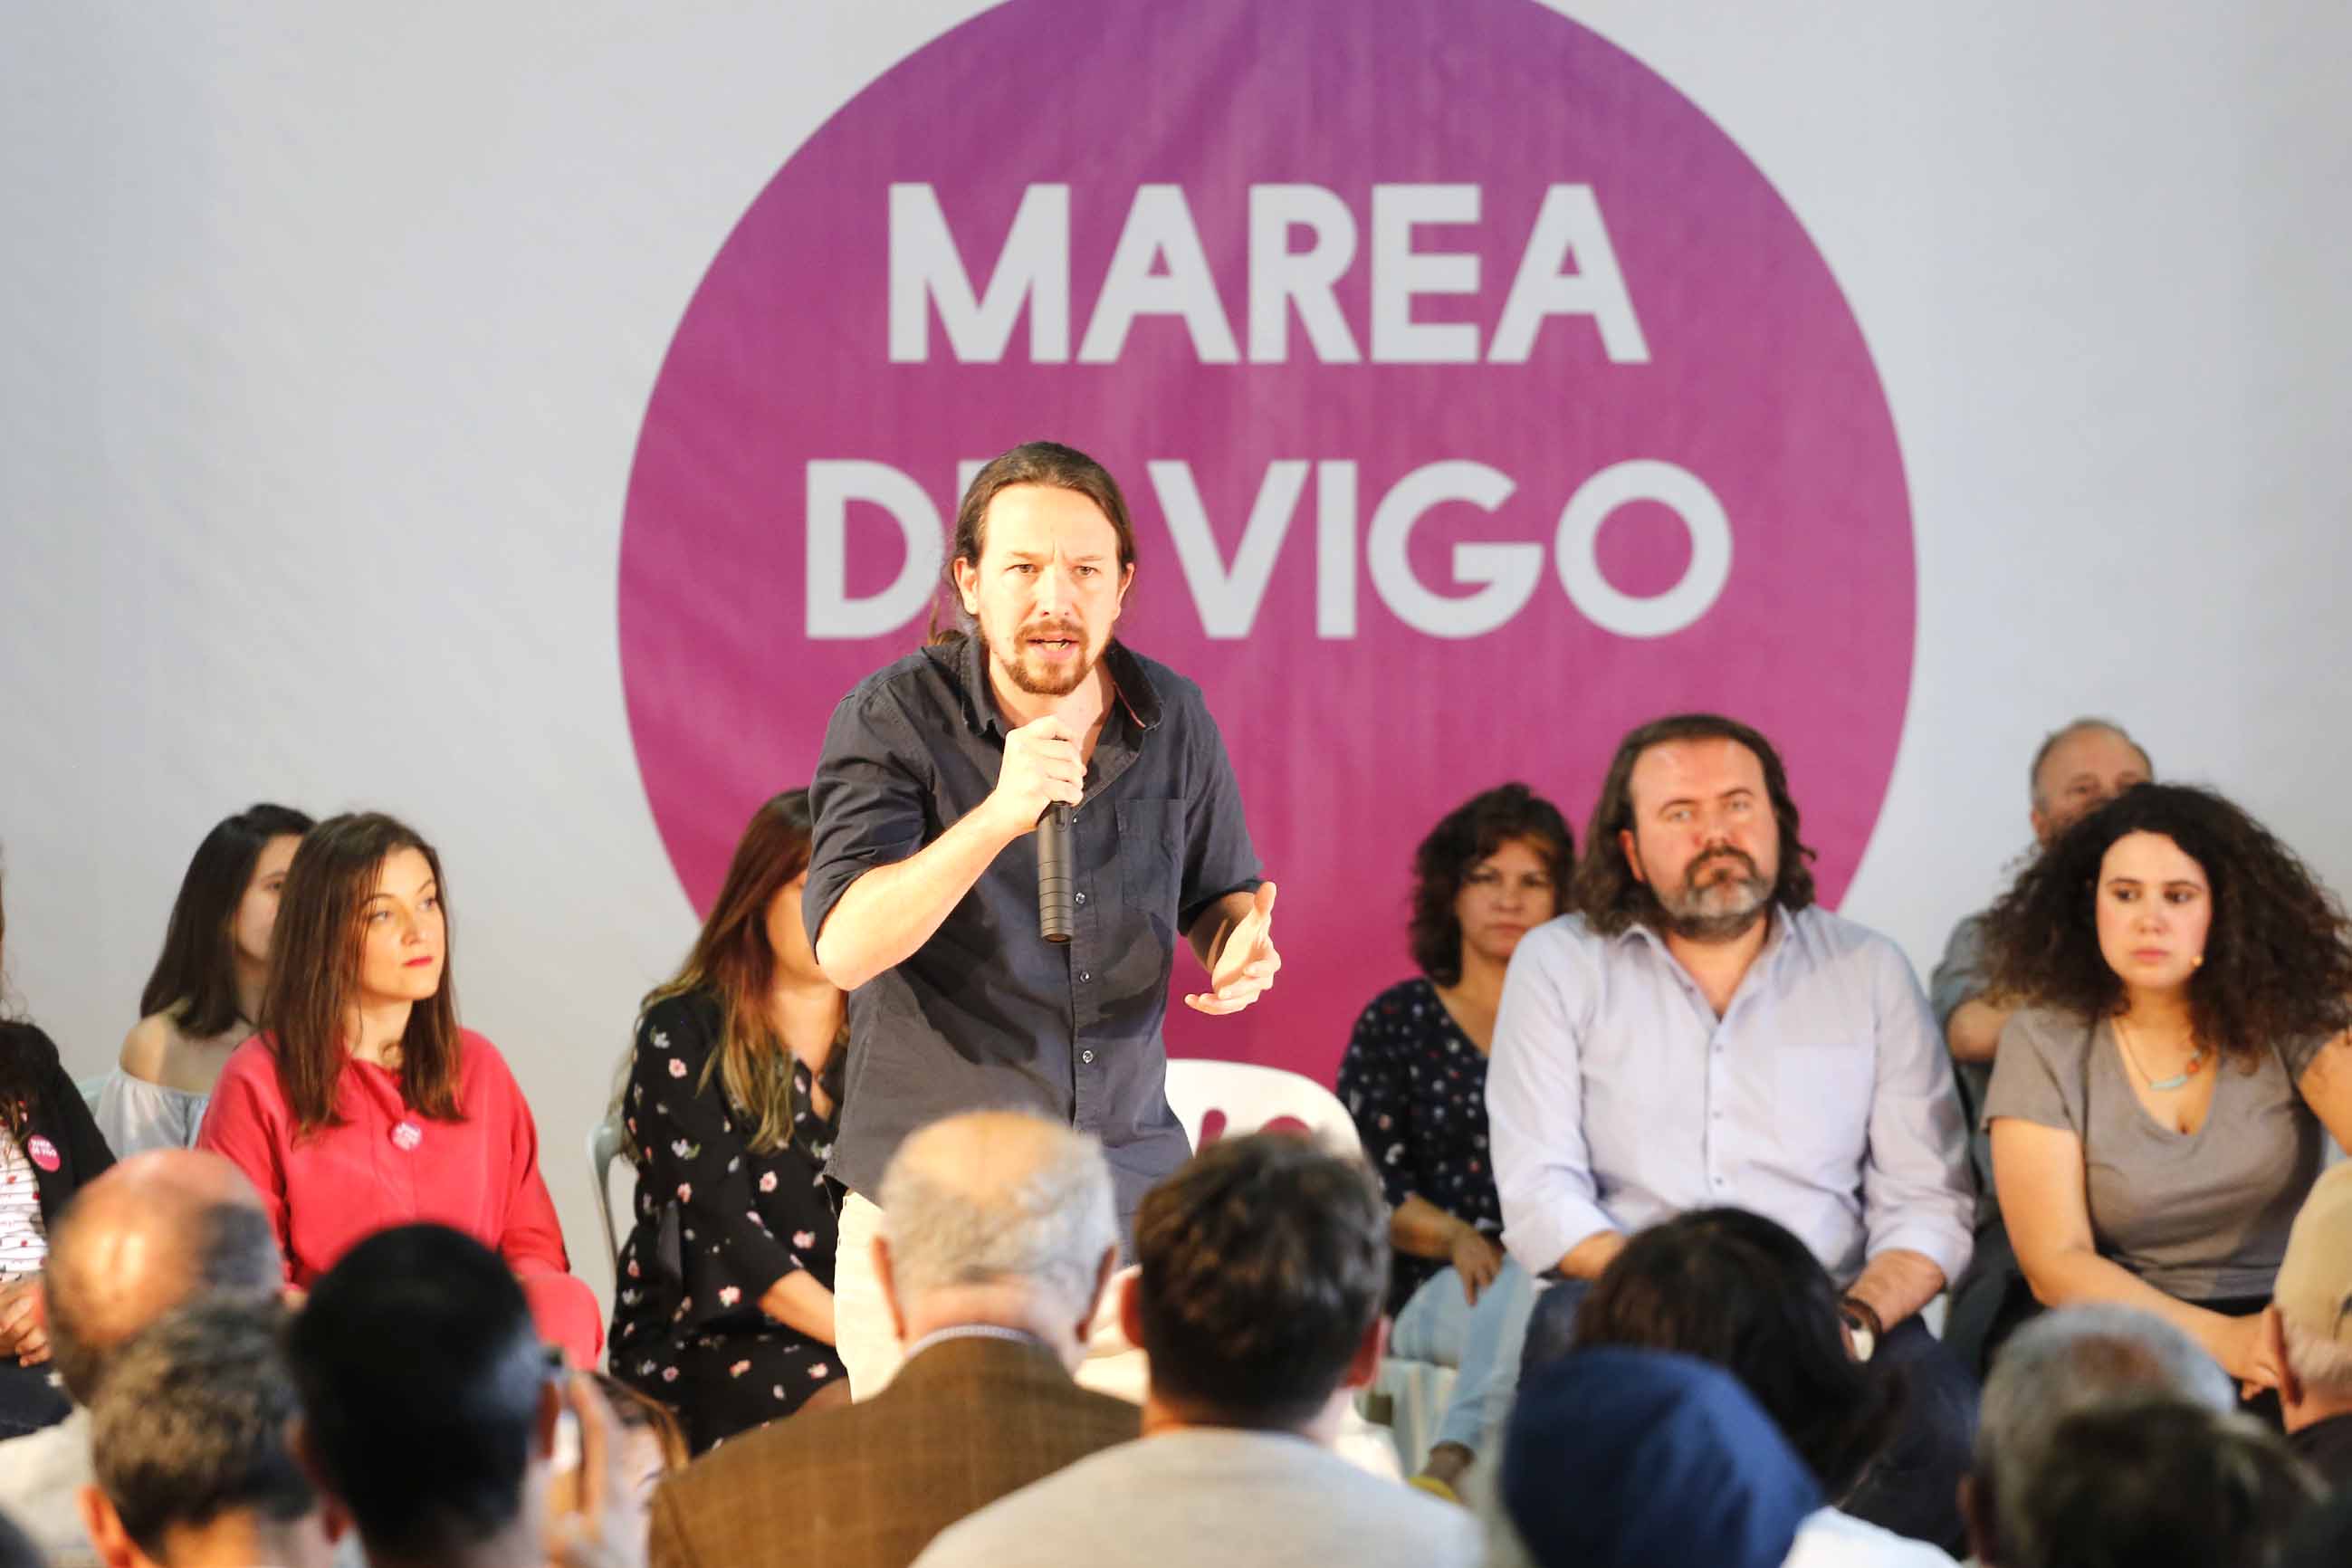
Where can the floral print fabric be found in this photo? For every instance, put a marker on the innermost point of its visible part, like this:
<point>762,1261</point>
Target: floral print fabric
<point>717,1225</point>
<point>1416,1086</point>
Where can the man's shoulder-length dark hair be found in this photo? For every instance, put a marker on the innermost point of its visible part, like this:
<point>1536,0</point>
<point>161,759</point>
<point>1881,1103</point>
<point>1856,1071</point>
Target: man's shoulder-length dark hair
<point>1047,463</point>
<point>1605,890</point>
<point>1462,839</point>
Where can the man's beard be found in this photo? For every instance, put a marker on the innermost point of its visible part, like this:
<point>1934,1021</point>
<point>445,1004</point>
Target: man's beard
<point>1717,911</point>
<point>1040,680</point>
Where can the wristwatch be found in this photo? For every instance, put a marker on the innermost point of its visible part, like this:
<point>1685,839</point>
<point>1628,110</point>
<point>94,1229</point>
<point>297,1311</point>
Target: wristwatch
<point>1861,1326</point>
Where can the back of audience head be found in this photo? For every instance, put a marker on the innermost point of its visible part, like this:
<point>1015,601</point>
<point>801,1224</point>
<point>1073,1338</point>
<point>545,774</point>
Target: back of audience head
<point>1263,1264</point>
<point>997,1217</point>
<point>2078,768</point>
<point>1737,1290</point>
<point>2064,1362</point>
<point>153,1233</point>
<point>220,926</point>
<point>654,1447</point>
<point>1620,1458</point>
<point>326,959</point>
<point>2310,1316</point>
<point>2276,962</point>
<point>429,1410</point>
<point>2155,1482</point>
<point>1459,846</point>
<point>189,1445</point>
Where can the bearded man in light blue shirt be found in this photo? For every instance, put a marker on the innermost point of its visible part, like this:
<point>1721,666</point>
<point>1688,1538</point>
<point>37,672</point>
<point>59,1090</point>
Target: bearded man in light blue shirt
<point>1698,1033</point>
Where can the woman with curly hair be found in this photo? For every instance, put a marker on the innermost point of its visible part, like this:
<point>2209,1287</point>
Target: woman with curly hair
<point>2157,1108</point>
<point>1414,1080</point>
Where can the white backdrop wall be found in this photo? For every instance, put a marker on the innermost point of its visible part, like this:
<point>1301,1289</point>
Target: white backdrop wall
<point>327,340</point>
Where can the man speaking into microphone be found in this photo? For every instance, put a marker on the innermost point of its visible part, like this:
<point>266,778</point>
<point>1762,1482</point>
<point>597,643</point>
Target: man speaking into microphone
<point>922,898</point>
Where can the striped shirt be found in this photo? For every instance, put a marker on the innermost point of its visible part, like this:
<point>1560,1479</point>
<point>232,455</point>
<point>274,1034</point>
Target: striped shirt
<point>24,1239</point>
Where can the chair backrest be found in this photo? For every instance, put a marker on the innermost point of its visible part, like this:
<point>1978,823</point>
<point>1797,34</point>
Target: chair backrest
<point>605,1140</point>
<point>1213,1099</point>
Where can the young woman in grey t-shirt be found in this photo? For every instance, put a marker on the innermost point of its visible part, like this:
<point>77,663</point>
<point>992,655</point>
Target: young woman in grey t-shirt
<point>2156,1107</point>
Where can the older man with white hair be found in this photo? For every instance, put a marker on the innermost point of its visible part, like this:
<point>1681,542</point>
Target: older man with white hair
<point>997,1234</point>
<point>2058,1365</point>
<point>2309,1322</point>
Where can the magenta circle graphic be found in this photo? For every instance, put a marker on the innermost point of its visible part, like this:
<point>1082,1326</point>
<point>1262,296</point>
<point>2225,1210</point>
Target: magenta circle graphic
<point>1476,396</point>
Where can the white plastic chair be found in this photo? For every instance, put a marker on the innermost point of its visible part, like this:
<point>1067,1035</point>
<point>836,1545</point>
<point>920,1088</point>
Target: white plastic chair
<point>604,1143</point>
<point>1213,1099</point>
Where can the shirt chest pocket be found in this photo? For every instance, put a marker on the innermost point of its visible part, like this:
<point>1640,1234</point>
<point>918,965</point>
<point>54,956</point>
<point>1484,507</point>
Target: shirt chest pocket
<point>1150,852</point>
<point>1822,1092</point>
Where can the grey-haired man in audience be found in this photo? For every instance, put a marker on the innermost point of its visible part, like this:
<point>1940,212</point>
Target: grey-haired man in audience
<point>2310,1323</point>
<point>188,1435</point>
<point>998,1232</point>
<point>156,1232</point>
<point>1262,1266</point>
<point>2057,1365</point>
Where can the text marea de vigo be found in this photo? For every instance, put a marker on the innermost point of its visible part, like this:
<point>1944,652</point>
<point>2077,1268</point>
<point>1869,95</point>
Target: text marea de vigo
<point>1303,240</point>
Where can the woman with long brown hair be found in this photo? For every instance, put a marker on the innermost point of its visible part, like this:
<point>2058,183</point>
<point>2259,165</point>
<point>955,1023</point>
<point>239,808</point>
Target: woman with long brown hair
<point>361,1104</point>
<point>203,996</point>
<point>724,1307</point>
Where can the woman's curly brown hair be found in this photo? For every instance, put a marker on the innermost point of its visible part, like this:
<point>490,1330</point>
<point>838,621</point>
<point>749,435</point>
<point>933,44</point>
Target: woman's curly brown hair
<point>2278,952</point>
<point>1462,839</point>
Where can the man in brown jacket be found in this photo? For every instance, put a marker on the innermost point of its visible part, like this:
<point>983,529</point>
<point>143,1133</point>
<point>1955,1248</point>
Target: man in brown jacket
<point>998,1234</point>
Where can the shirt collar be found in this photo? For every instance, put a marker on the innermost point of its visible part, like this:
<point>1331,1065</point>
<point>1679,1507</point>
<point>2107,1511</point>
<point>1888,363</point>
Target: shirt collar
<point>1132,687</point>
<point>970,1331</point>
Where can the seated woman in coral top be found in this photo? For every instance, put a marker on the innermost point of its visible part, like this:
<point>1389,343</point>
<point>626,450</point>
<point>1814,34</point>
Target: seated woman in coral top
<point>362,1104</point>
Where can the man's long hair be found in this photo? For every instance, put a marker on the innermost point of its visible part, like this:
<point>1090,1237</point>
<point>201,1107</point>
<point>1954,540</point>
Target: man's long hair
<point>1607,893</point>
<point>1045,463</point>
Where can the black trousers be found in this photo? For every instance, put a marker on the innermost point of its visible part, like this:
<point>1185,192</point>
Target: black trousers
<point>30,1398</point>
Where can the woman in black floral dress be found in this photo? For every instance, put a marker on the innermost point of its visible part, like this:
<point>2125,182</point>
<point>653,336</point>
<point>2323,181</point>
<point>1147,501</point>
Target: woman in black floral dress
<point>724,1306</point>
<point>1415,1081</point>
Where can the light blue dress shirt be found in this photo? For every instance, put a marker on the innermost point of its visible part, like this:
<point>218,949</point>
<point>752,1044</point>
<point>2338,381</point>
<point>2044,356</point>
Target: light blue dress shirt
<point>1821,1097</point>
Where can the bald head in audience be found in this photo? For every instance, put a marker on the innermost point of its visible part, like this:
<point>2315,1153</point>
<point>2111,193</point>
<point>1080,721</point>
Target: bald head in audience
<point>158,1230</point>
<point>997,1217</point>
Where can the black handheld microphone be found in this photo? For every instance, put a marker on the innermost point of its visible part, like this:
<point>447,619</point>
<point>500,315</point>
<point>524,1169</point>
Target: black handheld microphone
<point>1056,909</point>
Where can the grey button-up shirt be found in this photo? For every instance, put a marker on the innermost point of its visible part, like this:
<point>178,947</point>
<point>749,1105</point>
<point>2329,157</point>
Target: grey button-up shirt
<point>988,1012</point>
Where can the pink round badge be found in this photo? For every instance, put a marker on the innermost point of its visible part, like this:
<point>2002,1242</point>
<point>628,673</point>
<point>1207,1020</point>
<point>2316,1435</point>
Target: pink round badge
<point>43,1152</point>
<point>406,1136</point>
<point>1476,396</point>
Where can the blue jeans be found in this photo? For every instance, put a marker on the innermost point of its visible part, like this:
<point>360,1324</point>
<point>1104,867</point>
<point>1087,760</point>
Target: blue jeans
<point>1480,1342</point>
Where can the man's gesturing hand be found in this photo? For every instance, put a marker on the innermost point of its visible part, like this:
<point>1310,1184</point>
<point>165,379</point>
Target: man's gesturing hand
<point>1245,964</point>
<point>1041,765</point>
